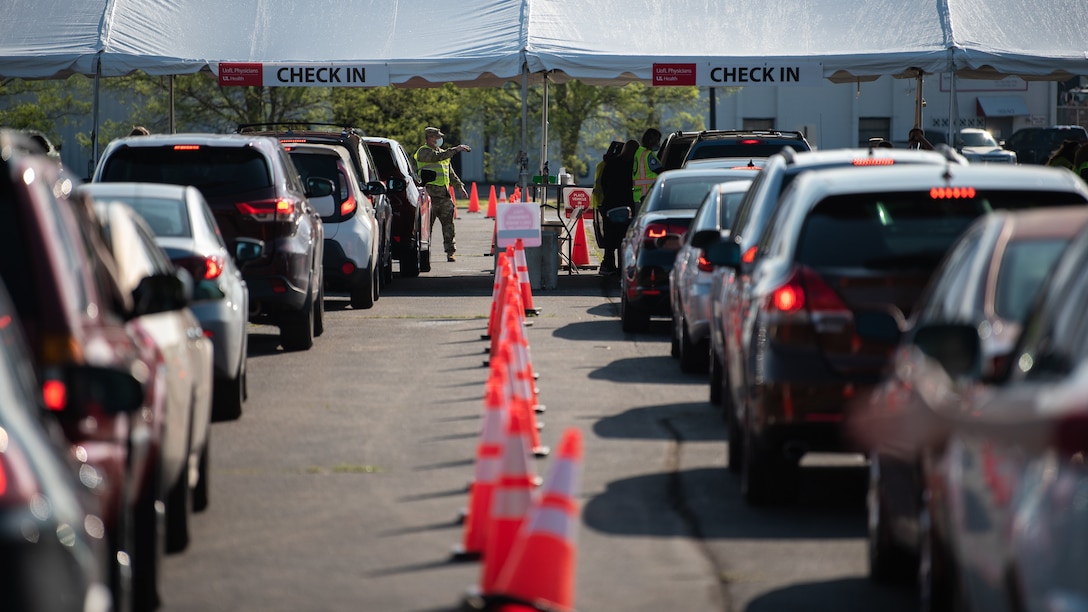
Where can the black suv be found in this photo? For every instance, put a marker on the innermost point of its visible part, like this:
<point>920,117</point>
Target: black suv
<point>254,190</point>
<point>366,172</point>
<point>1034,145</point>
<point>410,202</point>
<point>679,147</point>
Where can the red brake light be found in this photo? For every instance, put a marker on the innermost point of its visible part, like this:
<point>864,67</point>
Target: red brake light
<point>655,231</point>
<point>806,289</point>
<point>285,207</point>
<point>952,193</point>
<point>268,210</point>
<point>703,264</point>
<point>17,481</point>
<point>788,297</point>
<point>750,255</point>
<point>186,147</point>
<point>202,268</point>
<point>55,395</point>
<point>869,161</point>
<point>295,140</point>
<point>749,141</point>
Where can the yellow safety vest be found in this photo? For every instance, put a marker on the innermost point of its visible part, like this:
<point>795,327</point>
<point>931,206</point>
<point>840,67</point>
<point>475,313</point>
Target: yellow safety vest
<point>441,169</point>
<point>644,177</point>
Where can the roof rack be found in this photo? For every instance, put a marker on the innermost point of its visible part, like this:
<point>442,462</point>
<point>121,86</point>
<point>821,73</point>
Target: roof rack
<point>297,125</point>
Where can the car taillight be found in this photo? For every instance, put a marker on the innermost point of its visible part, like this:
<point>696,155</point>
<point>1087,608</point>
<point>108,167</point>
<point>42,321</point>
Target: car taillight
<point>952,193</point>
<point>703,264</point>
<point>805,290</point>
<point>282,209</point>
<point>186,147</point>
<point>55,395</point>
<point>750,141</point>
<point>656,231</point>
<point>202,268</point>
<point>348,206</point>
<point>868,161</point>
<point>17,482</point>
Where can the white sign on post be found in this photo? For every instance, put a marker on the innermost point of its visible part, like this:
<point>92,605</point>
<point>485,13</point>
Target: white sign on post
<point>517,220</point>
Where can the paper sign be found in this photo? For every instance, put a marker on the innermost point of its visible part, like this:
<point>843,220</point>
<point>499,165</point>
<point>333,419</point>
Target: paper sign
<point>518,220</point>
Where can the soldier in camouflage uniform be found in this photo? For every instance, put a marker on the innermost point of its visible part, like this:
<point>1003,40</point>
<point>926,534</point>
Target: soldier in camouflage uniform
<point>433,157</point>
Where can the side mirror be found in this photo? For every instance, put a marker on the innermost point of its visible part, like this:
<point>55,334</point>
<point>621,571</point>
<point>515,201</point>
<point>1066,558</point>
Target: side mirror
<point>317,187</point>
<point>247,250</point>
<point>162,293</point>
<point>702,238</point>
<point>723,253</point>
<point>93,389</point>
<point>396,185</point>
<point>374,188</point>
<point>956,347</point>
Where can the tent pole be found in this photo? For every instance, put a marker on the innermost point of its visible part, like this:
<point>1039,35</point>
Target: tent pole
<point>713,109</point>
<point>94,113</point>
<point>953,110</point>
<point>544,145</point>
<point>523,156</point>
<point>918,100</point>
<point>173,126</point>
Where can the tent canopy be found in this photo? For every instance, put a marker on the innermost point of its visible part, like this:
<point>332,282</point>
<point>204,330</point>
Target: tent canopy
<point>483,42</point>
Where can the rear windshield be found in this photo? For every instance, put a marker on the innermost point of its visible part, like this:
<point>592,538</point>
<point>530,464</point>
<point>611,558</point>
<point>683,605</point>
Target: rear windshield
<point>215,171</point>
<point>165,217</point>
<point>707,150</point>
<point>684,193</point>
<point>320,166</point>
<point>1024,266</point>
<point>901,230</point>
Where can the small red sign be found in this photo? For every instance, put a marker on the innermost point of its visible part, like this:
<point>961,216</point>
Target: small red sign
<point>674,75</point>
<point>576,198</point>
<point>241,74</point>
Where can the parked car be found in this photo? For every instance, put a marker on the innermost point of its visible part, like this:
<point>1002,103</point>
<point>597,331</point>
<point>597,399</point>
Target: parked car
<point>845,257</point>
<point>187,232</point>
<point>979,147</point>
<point>649,247</point>
<point>67,293</point>
<point>1006,516</point>
<point>1033,145</point>
<point>689,279</point>
<point>64,565</point>
<point>988,281</point>
<point>351,140</point>
<point>254,191</point>
<point>411,227</point>
<point>678,148</point>
<point>728,285</point>
<point>352,236</point>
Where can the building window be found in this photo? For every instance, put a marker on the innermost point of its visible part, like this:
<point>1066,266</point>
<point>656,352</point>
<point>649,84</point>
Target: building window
<point>873,127</point>
<point>758,124</point>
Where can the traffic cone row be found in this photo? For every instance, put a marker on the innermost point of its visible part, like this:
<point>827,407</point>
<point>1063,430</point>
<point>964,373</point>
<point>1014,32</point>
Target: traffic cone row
<point>523,278</point>
<point>524,534</point>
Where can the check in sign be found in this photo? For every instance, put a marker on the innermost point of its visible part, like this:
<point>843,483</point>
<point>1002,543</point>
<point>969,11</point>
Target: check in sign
<point>251,74</point>
<point>517,220</point>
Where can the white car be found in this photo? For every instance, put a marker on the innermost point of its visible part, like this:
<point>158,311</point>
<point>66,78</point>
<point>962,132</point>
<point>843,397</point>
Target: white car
<point>186,230</point>
<point>691,275</point>
<point>979,147</point>
<point>352,233</point>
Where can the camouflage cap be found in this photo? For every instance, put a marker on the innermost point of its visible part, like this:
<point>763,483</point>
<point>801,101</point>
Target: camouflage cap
<point>433,131</point>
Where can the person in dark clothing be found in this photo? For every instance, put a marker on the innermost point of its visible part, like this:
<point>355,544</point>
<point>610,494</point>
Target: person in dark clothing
<point>617,184</point>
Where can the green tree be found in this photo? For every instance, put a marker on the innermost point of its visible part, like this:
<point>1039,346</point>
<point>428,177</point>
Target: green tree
<point>44,105</point>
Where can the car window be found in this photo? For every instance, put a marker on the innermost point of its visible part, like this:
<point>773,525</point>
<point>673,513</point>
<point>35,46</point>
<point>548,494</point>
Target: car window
<point>883,231</point>
<point>955,279</point>
<point>1024,266</point>
<point>165,216</point>
<point>684,193</point>
<point>729,205</point>
<point>321,166</point>
<point>212,225</point>
<point>383,158</point>
<point>710,149</point>
<point>214,170</point>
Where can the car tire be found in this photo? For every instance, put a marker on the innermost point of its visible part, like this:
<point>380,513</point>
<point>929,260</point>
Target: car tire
<point>674,348</point>
<point>736,434</point>
<point>319,310</point>
<point>297,328</point>
<point>147,549</point>
<point>767,478</point>
<point>424,261</point>
<point>362,294</point>
<point>632,319</point>
<point>178,506</point>
<point>387,266</point>
<point>888,561</point>
<point>409,260</point>
<point>715,377</point>
<point>229,395</point>
<point>200,491</point>
<point>938,588</point>
<point>693,355</point>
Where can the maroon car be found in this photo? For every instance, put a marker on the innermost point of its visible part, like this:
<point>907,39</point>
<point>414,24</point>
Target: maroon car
<point>65,289</point>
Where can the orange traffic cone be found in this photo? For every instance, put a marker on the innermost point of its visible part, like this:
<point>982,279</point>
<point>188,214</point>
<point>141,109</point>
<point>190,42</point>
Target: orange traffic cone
<point>492,210</point>
<point>523,278</point>
<point>473,200</point>
<point>522,380</point>
<point>517,194</point>
<point>540,569</point>
<point>511,498</point>
<point>502,303</point>
<point>580,254</point>
<point>492,319</point>
<point>488,457</point>
<point>453,198</point>
<point>502,195</point>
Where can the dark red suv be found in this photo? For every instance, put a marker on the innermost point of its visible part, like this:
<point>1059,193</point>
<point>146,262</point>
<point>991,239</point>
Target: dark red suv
<point>254,190</point>
<point>65,290</point>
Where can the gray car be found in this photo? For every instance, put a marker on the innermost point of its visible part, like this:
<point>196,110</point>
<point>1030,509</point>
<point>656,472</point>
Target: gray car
<point>186,230</point>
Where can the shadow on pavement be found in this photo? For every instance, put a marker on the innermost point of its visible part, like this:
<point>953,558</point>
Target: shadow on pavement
<point>696,422</point>
<point>844,595</point>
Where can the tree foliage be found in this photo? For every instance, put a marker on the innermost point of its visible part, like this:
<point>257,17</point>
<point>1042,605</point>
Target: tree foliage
<point>45,106</point>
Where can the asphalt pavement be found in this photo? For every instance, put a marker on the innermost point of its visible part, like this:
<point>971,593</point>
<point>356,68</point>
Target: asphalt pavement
<point>341,485</point>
